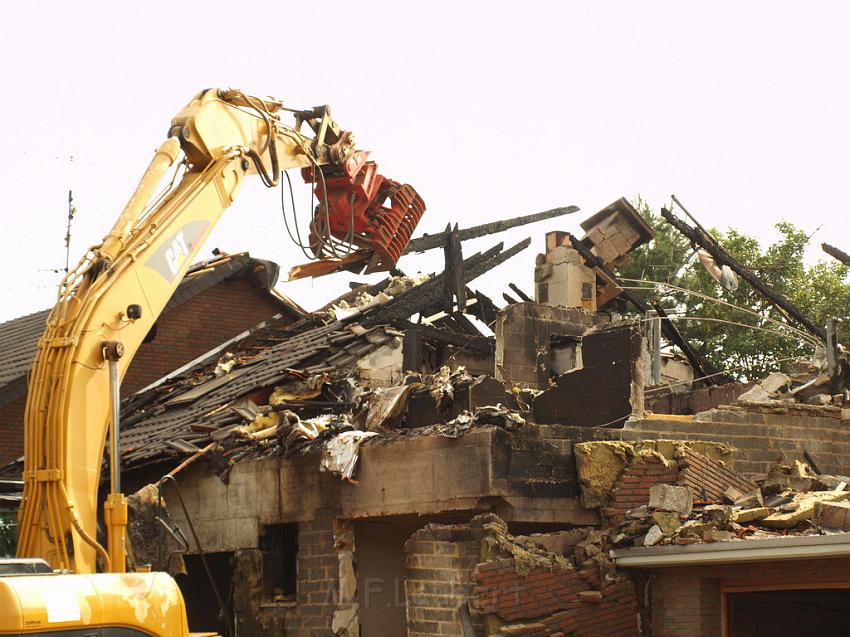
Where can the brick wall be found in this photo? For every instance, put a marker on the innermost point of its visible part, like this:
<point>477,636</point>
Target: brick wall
<point>708,478</point>
<point>12,430</point>
<point>632,488</point>
<point>548,602</point>
<point>760,436</point>
<point>479,574</point>
<point>318,570</point>
<point>438,578</point>
<point>317,593</point>
<point>198,325</point>
<point>686,601</point>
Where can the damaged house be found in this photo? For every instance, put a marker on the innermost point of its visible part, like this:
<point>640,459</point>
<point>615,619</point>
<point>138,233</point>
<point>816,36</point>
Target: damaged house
<point>226,295</point>
<point>415,460</point>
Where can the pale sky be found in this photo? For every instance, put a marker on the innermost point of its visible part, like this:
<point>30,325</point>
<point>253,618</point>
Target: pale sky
<point>490,109</point>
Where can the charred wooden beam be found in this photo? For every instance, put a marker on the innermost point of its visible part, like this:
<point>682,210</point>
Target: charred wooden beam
<point>431,241</point>
<point>522,295</point>
<point>483,309</point>
<point>454,286</point>
<point>479,343</point>
<point>430,294</point>
<point>836,253</point>
<point>411,349</point>
<point>700,365</point>
<point>509,299</point>
<point>767,291</point>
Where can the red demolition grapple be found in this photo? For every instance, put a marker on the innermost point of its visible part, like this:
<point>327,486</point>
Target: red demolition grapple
<point>359,206</point>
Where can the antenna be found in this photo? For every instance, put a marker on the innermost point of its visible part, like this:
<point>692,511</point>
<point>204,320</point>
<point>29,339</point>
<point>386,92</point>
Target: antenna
<point>72,210</point>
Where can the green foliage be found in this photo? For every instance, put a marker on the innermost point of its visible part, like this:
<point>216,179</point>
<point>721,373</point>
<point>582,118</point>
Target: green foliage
<point>821,291</point>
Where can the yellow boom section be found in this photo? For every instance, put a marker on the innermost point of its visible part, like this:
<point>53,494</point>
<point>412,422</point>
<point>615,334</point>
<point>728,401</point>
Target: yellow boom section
<point>224,136</point>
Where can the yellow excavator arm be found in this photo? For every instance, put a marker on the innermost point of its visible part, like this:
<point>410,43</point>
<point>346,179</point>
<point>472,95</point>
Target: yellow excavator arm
<point>110,302</point>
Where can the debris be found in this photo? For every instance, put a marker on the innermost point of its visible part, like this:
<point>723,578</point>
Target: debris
<point>721,514</point>
<point>775,382</point>
<point>667,521</point>
<point>429,242</point>
<point>724,275</point>
<point>756,394</point>
<point>805,508</point>
<point>341,452</point>
<point>387,405</point>
<point>716,535</point>
<point>144,531</point>
<point>671,498</point>
<point>833,516</point>
<point>750,515</point>
<point>303,387</point>
<point>225,364</point>
<point>751,500</point>
<point>653,536</point>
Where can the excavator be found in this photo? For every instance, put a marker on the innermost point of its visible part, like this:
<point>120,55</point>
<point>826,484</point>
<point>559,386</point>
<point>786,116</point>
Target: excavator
<point>106,308</point>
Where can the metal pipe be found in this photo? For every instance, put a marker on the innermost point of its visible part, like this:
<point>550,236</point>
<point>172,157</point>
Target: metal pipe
<point>114,428</point>
<point>653,337</point>
<point>163,159</point>
<point>831,347</point>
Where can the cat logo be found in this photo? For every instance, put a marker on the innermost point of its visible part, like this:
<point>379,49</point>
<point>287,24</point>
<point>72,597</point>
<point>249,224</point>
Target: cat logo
<point>172,256</point>
<point>177,253</point>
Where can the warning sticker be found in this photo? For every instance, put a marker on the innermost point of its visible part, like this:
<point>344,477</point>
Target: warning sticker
<point>62,606</point>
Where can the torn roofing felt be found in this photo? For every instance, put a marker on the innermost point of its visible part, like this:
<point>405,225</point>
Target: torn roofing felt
<point>180,414</point>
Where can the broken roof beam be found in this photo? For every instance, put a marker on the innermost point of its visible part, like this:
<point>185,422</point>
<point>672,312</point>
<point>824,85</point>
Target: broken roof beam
<point>522,295</point>
<point>483,309</point>
<point>431,241</point>
<point>836,253</point>
<point>474,343</point>
<point>430,294</point>
<point>767,291</point>
<point>703,370</point>
<point>454,285</point>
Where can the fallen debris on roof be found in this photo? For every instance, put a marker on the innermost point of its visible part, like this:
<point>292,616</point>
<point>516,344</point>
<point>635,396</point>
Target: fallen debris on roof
<point>677,492</point>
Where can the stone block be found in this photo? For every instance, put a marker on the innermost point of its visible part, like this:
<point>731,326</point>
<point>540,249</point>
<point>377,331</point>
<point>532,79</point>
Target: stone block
<point>750,515</point>
<point>834,516</point>
<point>671,498</point>
<point>667,521</point>
<point>653,536</point>
<point>719,513</point>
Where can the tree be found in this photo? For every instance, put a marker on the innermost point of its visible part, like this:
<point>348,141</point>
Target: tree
<point>769,342</point>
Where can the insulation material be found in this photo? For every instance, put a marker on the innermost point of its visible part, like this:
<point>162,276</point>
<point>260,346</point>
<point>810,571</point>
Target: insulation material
<point>387,405</point>
<point>722,274</point>
<point>341,453</point>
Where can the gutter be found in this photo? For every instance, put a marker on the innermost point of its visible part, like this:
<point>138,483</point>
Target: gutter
<point>735,551</point>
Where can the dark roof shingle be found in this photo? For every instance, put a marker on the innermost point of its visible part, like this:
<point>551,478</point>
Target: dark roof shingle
<point>18,345</point>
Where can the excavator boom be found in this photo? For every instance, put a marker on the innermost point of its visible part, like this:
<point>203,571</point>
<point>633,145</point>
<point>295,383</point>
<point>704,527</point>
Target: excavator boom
<point>110,302</point>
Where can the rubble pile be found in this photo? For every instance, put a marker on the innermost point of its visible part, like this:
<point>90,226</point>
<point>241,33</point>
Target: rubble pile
<point>808,382</point>
<point>677,492</point>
